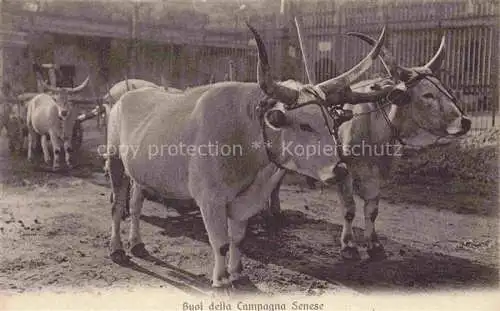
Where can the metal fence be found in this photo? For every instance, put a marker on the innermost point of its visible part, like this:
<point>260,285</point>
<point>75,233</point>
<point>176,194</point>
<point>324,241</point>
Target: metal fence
<point>470,68</point>
<point>471,65</point>
<point>470,26</point>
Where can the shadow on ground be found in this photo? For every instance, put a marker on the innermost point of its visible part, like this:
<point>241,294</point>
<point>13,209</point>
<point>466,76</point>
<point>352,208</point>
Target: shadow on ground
<point>311,247</point>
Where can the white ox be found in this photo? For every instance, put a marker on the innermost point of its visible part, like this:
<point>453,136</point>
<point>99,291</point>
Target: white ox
<point>53,117</point>
<point>220,156</point>
<point>419,108</point>
<point>114,94</point>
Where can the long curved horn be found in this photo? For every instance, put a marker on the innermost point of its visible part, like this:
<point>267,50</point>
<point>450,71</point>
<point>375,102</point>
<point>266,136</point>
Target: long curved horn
<point>80,87</point>
<point>264,78</point>
<point>386,57</point>
<point>396,71</point>
<point>354,73</point>
<point>435,63</point>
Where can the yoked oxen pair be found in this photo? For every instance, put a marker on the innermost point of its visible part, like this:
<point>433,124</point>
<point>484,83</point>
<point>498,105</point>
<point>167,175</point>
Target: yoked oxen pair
<point>418,107</point>
<point>53,116</point>
<point>231,186</point>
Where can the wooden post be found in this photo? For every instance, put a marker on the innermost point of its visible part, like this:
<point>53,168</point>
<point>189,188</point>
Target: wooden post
<point>311,79</point>
<point>495,84</point>
<point>2,52</point>
<point>231,70</point>
<point>31,36</point>
<point>290,66</point>
<point>132,55</point>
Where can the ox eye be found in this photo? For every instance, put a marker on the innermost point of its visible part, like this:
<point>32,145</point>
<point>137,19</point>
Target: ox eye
<point>277,118</point>
<point>306,127</point>
<point>428,96</point>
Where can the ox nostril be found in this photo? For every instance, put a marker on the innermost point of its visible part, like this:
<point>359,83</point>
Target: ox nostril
<point>466,124</point>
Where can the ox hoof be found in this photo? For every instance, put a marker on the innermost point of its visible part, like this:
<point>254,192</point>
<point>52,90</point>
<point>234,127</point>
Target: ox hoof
<point>139,250</point>
<point>119,257</point>
<point>350,253</point>
<point>223,290</point>
<point>125,214</point>
<point>243,285</point>
<point>377,253</point>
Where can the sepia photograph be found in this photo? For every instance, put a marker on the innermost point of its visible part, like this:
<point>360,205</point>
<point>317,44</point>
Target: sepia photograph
<point>203,155</point>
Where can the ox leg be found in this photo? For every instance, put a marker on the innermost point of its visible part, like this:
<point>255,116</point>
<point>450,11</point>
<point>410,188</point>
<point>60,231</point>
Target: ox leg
<point>56,145</point>
<point>45,149</point>
<point>120,185</point>
<point>348,250</point>
<point>275,204</point>
<point>216,224</point>
<point>237,229</point>
<point>137,247</point>
<point>274,211</point>
<point>375,249</point>
<point>31,144</point>
<point>68,151</point>
<point>369,192</point>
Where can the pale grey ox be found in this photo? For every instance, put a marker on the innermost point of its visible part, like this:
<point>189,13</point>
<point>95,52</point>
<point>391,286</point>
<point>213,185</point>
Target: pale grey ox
<point>231,186</point>
<point>114,94</point>
<point>53,116</point>
<point>419,108</point>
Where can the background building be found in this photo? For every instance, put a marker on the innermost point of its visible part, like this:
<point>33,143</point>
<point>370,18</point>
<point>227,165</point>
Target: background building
<point>187,43</point>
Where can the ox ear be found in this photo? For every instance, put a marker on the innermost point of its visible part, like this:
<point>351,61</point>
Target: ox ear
<point>404,74</point>
<point>401,86</point>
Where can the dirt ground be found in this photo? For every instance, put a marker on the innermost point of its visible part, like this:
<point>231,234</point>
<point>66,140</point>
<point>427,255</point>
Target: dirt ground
<point>55,228</point>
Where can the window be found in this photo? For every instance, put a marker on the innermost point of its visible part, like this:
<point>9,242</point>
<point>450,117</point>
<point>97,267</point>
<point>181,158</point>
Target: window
<point>65,76</point>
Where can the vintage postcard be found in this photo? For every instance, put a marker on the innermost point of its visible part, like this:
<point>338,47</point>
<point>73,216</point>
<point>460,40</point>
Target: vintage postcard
<point>202,155</point>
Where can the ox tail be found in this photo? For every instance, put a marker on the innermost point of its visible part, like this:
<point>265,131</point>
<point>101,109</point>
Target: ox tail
<point>113,167</point>
<point>121,186</point>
